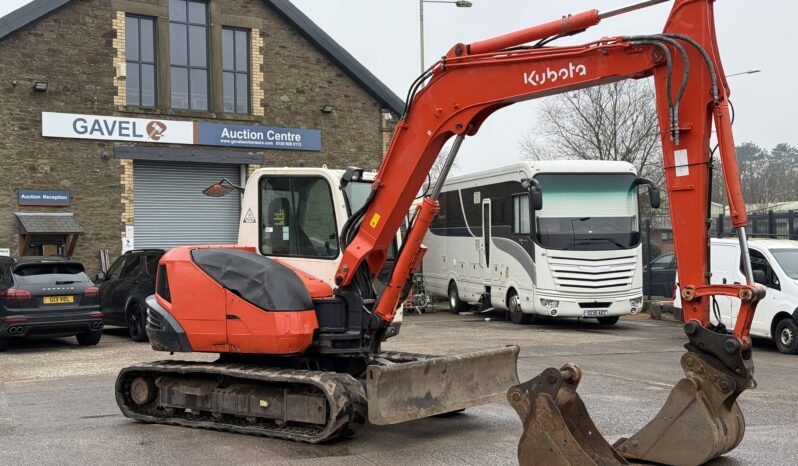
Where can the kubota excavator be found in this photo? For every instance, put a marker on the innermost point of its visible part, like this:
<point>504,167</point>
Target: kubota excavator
<point>301,359</point>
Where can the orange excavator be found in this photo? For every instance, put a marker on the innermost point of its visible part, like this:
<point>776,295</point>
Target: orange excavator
<point>301,359</point>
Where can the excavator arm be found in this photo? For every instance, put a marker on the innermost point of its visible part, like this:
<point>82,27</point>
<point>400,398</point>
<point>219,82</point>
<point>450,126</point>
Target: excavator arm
<point>455,96</point>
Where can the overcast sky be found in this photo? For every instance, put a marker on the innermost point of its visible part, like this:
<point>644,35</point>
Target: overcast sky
<point>384,36</point>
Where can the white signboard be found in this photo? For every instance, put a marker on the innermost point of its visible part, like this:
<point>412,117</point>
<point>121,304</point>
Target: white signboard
<point>76,126</point>
<point>129,230</point>
<point>5,252</point>
<point>127,244</point>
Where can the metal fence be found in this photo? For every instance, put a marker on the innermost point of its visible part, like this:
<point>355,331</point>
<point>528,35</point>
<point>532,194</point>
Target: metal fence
<point>657,233</point>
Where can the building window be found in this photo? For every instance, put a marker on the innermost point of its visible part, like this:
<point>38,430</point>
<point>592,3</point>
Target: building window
<point>188,50</point>
<point>521,215</point>
<point>235,70</point>
<point>140,59</point>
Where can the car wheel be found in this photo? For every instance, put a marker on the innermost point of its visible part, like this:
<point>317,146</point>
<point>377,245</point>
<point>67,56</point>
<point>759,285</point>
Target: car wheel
<point>611,320</point>
<point>455,305</point>
<point>89,338</point>
<point>786,336</point>
<point>514,306</point>
<point>136,323</point>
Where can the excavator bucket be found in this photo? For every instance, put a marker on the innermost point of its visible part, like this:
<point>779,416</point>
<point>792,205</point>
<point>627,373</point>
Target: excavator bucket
<point>403,391</point>
<point>699,421</point>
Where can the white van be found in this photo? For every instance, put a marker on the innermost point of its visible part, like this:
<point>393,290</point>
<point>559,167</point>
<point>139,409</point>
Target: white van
<point>775,265</point>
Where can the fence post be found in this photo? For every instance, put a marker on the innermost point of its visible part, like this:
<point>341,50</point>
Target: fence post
<point>790,225</point>
<point>647,280</point>
<point>720,227</point>
<point>771,224</point>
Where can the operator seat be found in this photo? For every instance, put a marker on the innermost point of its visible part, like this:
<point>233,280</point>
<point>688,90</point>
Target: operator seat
<point>281,220</point>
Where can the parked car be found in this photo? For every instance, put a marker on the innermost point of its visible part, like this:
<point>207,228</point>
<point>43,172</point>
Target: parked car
<point>48,297</point>
<point>125,287</point>
<point>774,264</point>
<point>662,275</point>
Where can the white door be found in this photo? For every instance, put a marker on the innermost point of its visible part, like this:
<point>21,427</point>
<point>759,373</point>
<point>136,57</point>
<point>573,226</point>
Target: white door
<point>725,266</point>
<point>760,326</point>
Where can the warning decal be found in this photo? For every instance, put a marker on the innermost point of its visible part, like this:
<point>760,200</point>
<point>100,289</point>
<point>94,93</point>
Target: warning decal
<point>249,217</point>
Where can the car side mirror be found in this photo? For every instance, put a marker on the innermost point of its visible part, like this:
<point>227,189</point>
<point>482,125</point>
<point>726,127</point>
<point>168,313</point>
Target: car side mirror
<point>535,192</point>
<point>760,277</point>
<point>653,192</point>
<point>100,276</point>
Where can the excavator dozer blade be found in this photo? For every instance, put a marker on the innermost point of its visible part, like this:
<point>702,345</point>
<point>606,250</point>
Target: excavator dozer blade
<point>413,390</point>
<point>699,421</point>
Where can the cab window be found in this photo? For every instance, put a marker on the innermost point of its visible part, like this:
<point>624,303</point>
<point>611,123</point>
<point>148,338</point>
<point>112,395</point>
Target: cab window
<point>297,217</point>
<point>760,262</point>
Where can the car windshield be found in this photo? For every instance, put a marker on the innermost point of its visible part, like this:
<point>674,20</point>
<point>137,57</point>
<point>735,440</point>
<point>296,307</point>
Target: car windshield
<point>588,212</point>
<point>788,260</point>
<point>50,274</point>
<point>356,193</point>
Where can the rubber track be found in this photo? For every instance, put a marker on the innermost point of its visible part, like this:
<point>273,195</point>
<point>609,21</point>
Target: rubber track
<point>345,396</point>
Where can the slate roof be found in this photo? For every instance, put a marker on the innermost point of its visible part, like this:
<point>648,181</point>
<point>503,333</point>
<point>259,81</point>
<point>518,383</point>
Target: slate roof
<point>50,223</point>
<point>38,9</point>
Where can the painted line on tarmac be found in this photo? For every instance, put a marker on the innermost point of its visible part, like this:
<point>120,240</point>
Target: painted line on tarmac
<point>5,413</point>
<point>631,379</point>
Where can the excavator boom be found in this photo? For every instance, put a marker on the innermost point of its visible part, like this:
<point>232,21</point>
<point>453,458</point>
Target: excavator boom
<point>701,419</point>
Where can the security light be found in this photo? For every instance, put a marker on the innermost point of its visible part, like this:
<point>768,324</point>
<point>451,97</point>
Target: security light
<point>40,86</point>
<point>327,109</point>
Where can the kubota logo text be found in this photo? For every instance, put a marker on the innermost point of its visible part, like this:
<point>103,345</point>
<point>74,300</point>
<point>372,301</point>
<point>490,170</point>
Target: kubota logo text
<point>534,78</point>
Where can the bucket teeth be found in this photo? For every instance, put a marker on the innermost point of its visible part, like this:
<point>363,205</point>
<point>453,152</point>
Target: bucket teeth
<point>557,428</point>
<point>700,421</point>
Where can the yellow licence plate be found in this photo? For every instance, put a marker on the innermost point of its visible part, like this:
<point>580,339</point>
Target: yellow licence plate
<point>59,299</point>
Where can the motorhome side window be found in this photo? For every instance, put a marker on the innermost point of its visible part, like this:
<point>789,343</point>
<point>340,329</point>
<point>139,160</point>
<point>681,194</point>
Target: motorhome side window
<point>521,215</point>
<point>297,217</point>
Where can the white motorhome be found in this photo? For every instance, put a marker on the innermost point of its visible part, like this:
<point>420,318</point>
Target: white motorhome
<point>775,265</point>
<point>579,255</point>
<point>296,215</point>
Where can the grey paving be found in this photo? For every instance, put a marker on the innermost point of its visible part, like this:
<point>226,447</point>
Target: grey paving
<point>57,404</point>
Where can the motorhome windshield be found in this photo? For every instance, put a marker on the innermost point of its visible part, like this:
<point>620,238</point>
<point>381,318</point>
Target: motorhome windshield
<point>588,212</point>
<point>788,260</point>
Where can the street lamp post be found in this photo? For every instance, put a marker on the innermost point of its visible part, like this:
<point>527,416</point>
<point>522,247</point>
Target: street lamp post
<point>458,4</point>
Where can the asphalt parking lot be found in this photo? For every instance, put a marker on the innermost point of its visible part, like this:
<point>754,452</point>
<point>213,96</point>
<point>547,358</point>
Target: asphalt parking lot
<point>57,403</point>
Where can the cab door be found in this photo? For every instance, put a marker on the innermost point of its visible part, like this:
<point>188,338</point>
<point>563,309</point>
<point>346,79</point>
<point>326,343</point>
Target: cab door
<point>725,261</point>
<point>760,326</point>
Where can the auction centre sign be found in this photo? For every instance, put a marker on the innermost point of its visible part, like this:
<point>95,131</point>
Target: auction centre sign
<point>107,128</point>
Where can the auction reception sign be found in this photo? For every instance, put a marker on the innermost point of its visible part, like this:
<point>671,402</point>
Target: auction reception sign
<point>76,126</point>
<point>34,197</point>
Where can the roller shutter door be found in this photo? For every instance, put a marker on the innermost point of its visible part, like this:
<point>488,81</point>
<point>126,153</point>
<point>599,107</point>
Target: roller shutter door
<point>170,209</point>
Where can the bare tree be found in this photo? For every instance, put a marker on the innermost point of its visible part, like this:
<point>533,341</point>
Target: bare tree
<point>766,176</point>
<point>612,122</point>
<point>437,166</point>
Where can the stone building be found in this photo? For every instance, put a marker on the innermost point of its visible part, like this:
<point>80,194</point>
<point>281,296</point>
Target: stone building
<point>116,113</point>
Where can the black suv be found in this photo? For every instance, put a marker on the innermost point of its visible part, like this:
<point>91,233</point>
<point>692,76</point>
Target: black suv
<point>125,287</point>
<point>48,297</point>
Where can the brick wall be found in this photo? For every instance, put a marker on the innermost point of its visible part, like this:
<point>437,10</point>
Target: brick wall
<point>76,50</point>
